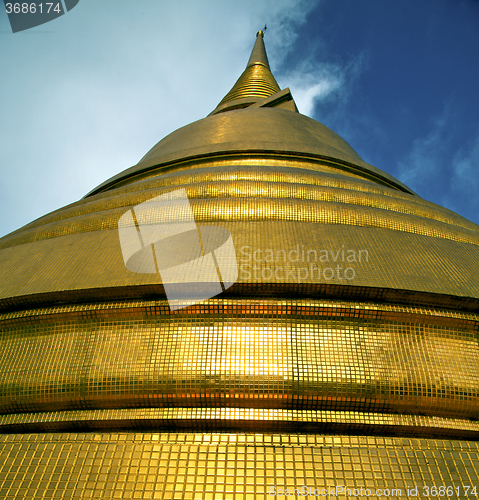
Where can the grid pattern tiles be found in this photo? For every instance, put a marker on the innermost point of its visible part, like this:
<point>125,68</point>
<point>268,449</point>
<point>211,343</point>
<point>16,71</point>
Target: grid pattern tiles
<point>190,466</point>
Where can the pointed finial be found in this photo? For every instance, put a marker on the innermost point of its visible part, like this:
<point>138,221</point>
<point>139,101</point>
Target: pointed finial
<point>256,82</point>
<point>258,55</point>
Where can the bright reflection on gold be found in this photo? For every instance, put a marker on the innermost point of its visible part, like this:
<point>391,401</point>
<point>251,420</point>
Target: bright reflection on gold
<point>231,350</point>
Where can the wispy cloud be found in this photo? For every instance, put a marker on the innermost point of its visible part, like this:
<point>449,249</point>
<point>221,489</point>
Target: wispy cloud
<point>284,26</point>
<point>427,154</point>
<point>312,81</point>
<point>89,100</point>
<point>440,172</point>
<point>465,178</point>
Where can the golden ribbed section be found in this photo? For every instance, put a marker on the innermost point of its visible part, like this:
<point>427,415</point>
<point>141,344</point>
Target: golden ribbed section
<point>269,209</point>
<point>260,192</point>
<point>386,265</point>
<point>303,355</point>
<point>257,81</point>
<point>272,190</point>
<point>262,420</point>
<point>228,164</point>
<point>289,172</point>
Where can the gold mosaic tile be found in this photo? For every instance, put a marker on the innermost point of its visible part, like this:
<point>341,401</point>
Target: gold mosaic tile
<point>233,466</point>
<point>293,355</point>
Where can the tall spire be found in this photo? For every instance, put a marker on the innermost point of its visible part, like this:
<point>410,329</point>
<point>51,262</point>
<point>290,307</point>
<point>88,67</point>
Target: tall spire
<point>256,83</point>
<point>258,55</point>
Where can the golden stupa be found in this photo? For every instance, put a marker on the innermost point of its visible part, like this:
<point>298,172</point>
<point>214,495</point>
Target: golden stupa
<point>342,363</point>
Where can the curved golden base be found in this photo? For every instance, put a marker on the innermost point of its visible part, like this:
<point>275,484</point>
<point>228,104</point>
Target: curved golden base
<point>234,466</point>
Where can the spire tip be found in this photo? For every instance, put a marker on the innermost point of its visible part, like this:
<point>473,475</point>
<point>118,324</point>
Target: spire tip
<point>261,32</point>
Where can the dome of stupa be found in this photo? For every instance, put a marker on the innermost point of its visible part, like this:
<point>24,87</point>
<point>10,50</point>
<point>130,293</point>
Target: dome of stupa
<point>351,321</point>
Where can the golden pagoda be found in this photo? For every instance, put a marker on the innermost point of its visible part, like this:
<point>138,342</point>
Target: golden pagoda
<point>340,361</point>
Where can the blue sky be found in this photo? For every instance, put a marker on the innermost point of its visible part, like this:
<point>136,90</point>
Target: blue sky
<point>87,95</point>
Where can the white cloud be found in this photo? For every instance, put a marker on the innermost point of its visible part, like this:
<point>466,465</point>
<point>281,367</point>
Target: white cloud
<point>427,154</point>
<point>465,178</point>
<point>440,173</point>
<point>110,79</point>
<point>310,83</point>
